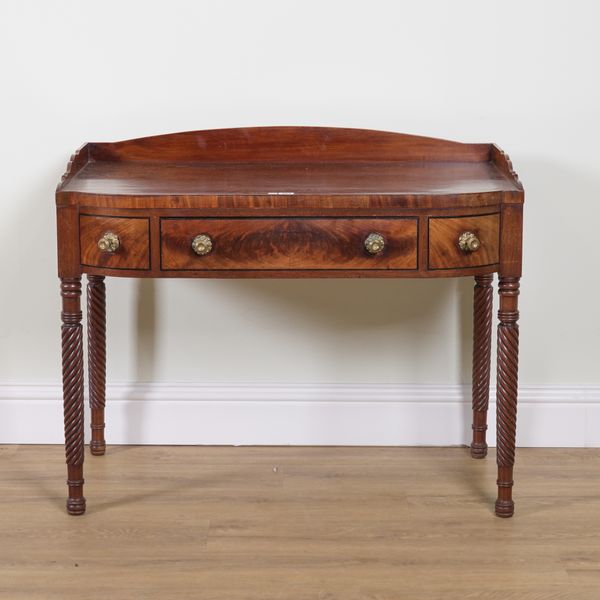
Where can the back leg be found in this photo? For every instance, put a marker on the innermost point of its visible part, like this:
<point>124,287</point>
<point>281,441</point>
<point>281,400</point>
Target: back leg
<point>96,318</point>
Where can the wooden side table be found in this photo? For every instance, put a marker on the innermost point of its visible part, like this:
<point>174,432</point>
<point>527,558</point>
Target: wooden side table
<point>289,202</point>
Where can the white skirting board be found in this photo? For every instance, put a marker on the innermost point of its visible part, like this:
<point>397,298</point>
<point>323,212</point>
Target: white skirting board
<point>302,414</point>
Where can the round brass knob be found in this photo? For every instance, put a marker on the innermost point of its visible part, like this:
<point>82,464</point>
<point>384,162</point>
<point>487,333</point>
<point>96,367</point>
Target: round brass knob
<point>469,242</point>
<point>374,243</point>
<point>109,242</point>
<point>202,244</point>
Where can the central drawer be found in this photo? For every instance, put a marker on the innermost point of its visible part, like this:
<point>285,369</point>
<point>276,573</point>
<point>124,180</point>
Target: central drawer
<point>299,243</point>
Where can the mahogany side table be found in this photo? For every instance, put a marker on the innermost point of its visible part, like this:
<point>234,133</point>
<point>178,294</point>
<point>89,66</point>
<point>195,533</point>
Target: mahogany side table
<point>289,202</point>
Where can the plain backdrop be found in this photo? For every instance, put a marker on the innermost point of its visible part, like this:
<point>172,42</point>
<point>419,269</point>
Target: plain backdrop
<point>522,74</point>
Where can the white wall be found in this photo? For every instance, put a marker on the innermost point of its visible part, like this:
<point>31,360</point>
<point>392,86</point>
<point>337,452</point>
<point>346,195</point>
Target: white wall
<point>521,74</point>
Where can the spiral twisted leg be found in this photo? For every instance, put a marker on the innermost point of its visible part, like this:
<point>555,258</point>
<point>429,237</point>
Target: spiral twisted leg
<point>507,389</point>
<point>72,368</point>
<point>96,319</point>
<point>482,346</point>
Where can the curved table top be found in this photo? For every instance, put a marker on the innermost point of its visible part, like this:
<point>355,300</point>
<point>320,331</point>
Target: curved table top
<point>197,178</point>
<point>290,161</point>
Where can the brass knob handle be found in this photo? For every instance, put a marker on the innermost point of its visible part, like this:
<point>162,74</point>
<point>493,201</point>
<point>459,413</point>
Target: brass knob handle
<point>202,244</point>
<point>109,242</point>
<point>374,243</point>
<point>469,242</point>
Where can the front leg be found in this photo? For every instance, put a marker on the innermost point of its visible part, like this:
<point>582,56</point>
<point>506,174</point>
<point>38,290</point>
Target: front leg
<point>72,369</point>
<point>96,319</point>
<point>507,389</point>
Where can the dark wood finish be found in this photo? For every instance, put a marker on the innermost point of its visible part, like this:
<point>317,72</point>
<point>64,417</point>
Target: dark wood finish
<point>289,273</point>
<point>287,168</point>
<point>96,321</point>
<point>72,366</point>
<point>286,205</point>
<point>504,164</point>
<point>444,251</point>
<point>320,244</point>
<point>67,225</point>
<point>290,202</point>
<point>289,144</point>
<point>155,242</point>
<point>508,354</point>
<point>134,236</point>
<point>306,179</point>
<point>482,347</point>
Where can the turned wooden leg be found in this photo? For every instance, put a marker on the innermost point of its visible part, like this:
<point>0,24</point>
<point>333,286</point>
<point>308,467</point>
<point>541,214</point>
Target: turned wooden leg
<point>482,348</point>
<point>96,319</point>
<point>507,388</point>
<point>72,368</point>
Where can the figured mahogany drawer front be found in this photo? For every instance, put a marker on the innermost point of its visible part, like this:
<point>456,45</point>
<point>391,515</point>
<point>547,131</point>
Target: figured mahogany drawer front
<point>462,242</point>
<point>126,242</point>
<point>301,243</point>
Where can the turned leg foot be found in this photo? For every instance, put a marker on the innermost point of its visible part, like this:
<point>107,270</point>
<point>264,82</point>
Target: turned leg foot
<point>76,500</point>
<point>96,318</point>
<point>507,389</point>
<point>482,346</point>
<point>72,367</point>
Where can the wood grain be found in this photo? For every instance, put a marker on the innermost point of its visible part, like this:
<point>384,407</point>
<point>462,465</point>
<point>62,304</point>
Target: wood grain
<point>289,244</point>
<point>287,202</point>
<point>482,349</point>
<point>284,204</point>
<point>280,178</point>
<point>444,251</point>
<point>252,523</point>
<point>72,370</point>
<point>96,321</point>
<point>293,144</point>
<point>67,242</point>
<point>507,390</point>
<point>134,237</point>
<point>288,167</point>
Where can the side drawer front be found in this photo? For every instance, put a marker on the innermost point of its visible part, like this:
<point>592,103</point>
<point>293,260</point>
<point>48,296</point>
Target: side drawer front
<point>134,242</point>
<point>444,249</point>
<point>296,244</point>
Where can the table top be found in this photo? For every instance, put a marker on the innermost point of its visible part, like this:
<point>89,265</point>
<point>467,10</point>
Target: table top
<point>393,177</point>
<point>290,161</point>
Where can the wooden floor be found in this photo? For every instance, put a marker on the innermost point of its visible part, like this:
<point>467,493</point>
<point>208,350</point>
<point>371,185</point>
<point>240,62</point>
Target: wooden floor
<point>299,523</point>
